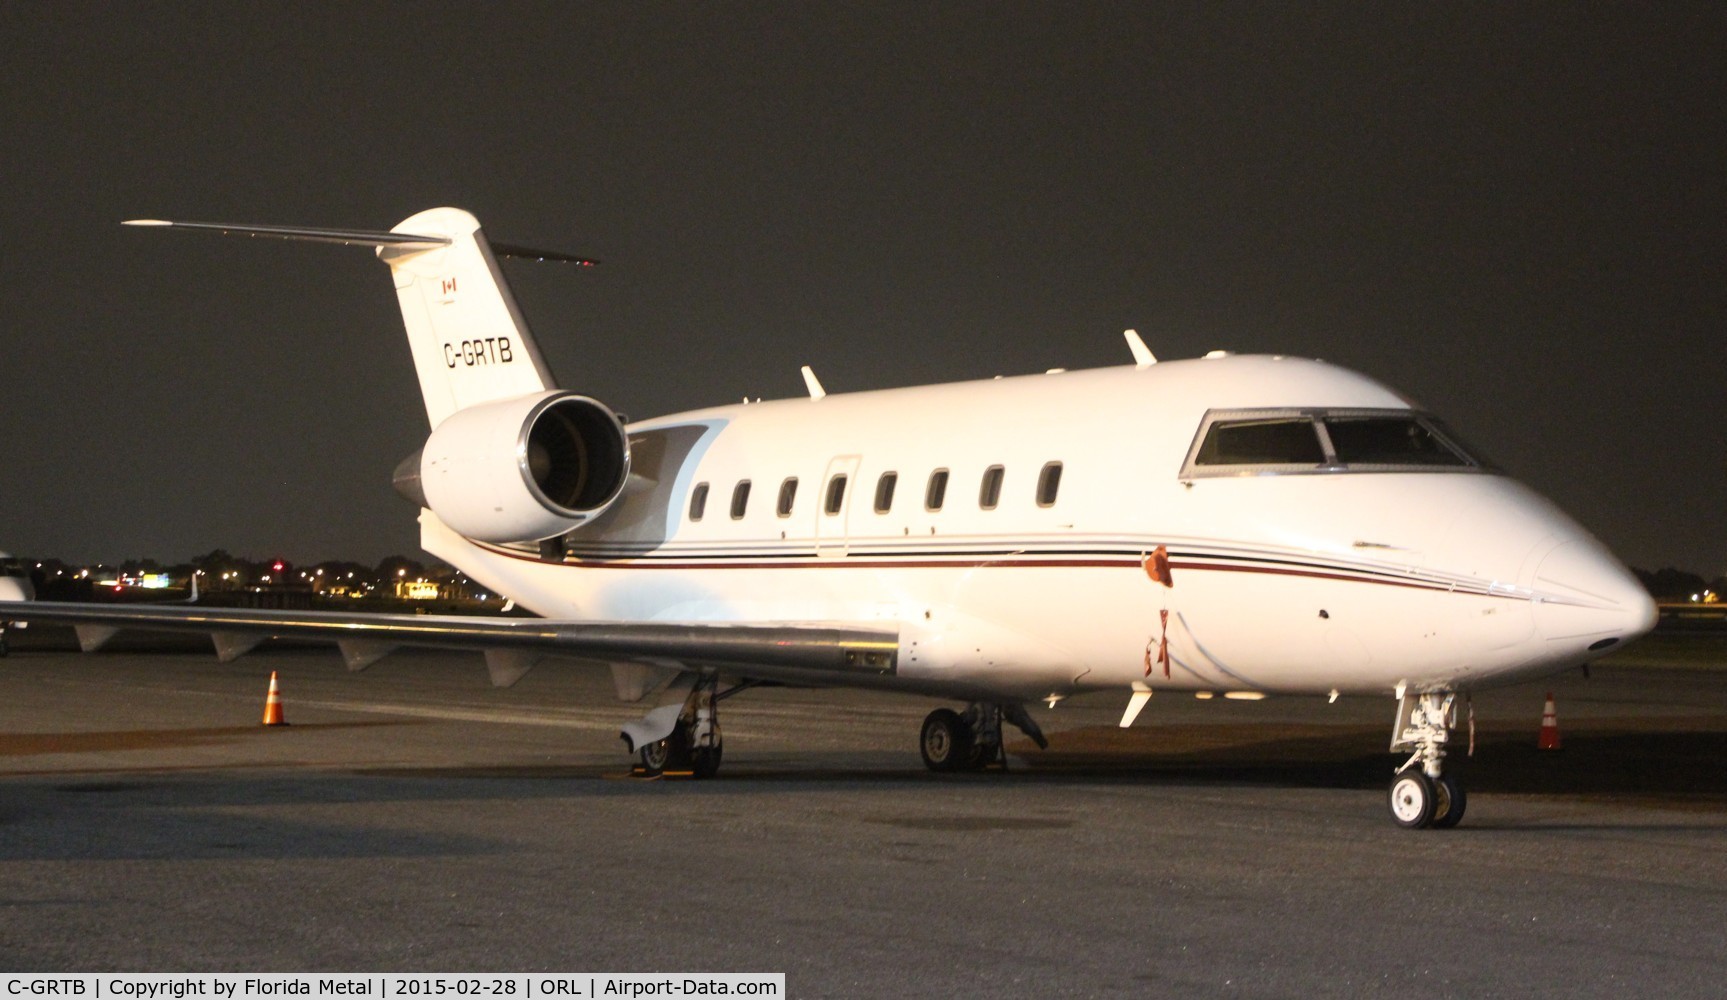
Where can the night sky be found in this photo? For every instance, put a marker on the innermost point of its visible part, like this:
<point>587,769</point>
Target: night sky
<point>1513,213</point>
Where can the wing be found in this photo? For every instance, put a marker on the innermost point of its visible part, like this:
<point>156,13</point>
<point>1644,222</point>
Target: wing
<point>805,653</point>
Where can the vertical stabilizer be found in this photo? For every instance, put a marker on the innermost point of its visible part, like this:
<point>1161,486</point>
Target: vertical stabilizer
<point>469,340</point>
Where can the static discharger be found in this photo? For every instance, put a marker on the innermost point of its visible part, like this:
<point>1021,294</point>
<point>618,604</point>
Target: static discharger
<point>273,704</point>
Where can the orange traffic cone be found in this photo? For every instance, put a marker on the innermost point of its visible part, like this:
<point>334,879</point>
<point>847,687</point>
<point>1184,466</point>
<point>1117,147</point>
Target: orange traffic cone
<point>273,705</point>
<point>1549,726</point>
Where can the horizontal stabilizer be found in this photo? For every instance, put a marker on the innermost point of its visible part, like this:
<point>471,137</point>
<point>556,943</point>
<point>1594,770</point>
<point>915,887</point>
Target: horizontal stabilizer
<point>349,237</point>
<point>529,253</point>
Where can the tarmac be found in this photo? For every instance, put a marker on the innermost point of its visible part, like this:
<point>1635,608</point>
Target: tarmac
<point>412,818</point>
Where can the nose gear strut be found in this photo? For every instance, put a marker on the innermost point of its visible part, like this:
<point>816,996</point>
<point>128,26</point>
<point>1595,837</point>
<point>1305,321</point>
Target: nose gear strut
<point>1425,796</point>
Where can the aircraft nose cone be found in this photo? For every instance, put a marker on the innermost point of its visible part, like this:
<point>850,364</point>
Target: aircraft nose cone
<point>1584,594</point>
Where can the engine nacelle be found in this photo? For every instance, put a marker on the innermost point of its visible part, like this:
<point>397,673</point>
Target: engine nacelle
<point>523,469</point>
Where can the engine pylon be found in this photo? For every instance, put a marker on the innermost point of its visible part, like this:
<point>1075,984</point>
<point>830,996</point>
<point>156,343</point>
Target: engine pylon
<point>1549,726</point>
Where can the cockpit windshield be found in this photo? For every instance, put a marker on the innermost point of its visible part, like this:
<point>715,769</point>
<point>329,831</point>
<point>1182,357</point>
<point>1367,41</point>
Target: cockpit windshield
<point>1271,442</point>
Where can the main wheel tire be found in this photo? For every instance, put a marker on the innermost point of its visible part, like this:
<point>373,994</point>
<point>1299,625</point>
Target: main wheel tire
<point>1449,802</point>
<point>1412,800</point>
<point>946,741</point>
<point>654,757</point>
<point>705,761</point>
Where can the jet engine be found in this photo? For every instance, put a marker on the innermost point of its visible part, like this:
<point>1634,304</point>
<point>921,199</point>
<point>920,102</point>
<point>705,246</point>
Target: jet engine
<point>522,469</point>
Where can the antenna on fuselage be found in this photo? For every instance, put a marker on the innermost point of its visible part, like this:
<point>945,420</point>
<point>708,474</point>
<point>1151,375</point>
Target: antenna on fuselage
<point>1142,356</point>
<point>813,384</point>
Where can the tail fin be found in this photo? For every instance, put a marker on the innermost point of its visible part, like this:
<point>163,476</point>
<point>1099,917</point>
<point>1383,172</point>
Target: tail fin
<point>469,340</point>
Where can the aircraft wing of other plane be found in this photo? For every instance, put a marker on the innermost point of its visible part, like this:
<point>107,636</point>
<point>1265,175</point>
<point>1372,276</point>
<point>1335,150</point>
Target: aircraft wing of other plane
<point>816,652</point>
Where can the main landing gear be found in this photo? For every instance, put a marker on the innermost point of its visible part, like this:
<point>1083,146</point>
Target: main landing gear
<point>971,740</point>
<point>1424,796</point>
<point>692,750</point>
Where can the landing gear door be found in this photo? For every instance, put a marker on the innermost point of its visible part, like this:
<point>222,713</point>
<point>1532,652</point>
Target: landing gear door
<point>833,506</point>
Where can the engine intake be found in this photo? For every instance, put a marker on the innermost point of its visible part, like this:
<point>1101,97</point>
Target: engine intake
<point>520,470</point>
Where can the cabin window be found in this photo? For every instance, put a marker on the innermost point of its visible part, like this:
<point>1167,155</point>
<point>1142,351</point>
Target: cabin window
<point>740,499</point>
<point>1048,483</point>
<point>936,491</point>
<point>989,491</point>
<point>698,501</point>
<point>836,497</point>
<point>884,492</point>
<point>788,493</point>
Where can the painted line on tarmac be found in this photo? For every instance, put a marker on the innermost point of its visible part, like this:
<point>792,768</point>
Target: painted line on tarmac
<point>455,714</point>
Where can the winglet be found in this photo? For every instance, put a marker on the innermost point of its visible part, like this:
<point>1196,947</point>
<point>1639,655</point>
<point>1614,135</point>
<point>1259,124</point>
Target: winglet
<point>812,383</point>
<point>1142,356</point>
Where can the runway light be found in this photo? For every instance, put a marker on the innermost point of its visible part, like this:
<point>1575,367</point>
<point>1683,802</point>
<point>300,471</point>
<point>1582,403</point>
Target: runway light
<point>1244,695</point>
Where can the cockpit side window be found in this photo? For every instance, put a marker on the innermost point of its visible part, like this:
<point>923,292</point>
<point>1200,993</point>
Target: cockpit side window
<point>1294,441</point>
<point>1369,440</point>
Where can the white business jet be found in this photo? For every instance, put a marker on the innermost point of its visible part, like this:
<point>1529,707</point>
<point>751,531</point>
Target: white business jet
<point>14,586</point>
<point>1225,525</point>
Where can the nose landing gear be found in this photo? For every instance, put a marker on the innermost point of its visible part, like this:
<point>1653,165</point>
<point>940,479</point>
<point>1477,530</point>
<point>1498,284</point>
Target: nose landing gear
<point>1425,796</point>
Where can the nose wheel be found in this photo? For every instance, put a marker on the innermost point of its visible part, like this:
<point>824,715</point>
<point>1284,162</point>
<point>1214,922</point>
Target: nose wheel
<point>1422,795</point>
